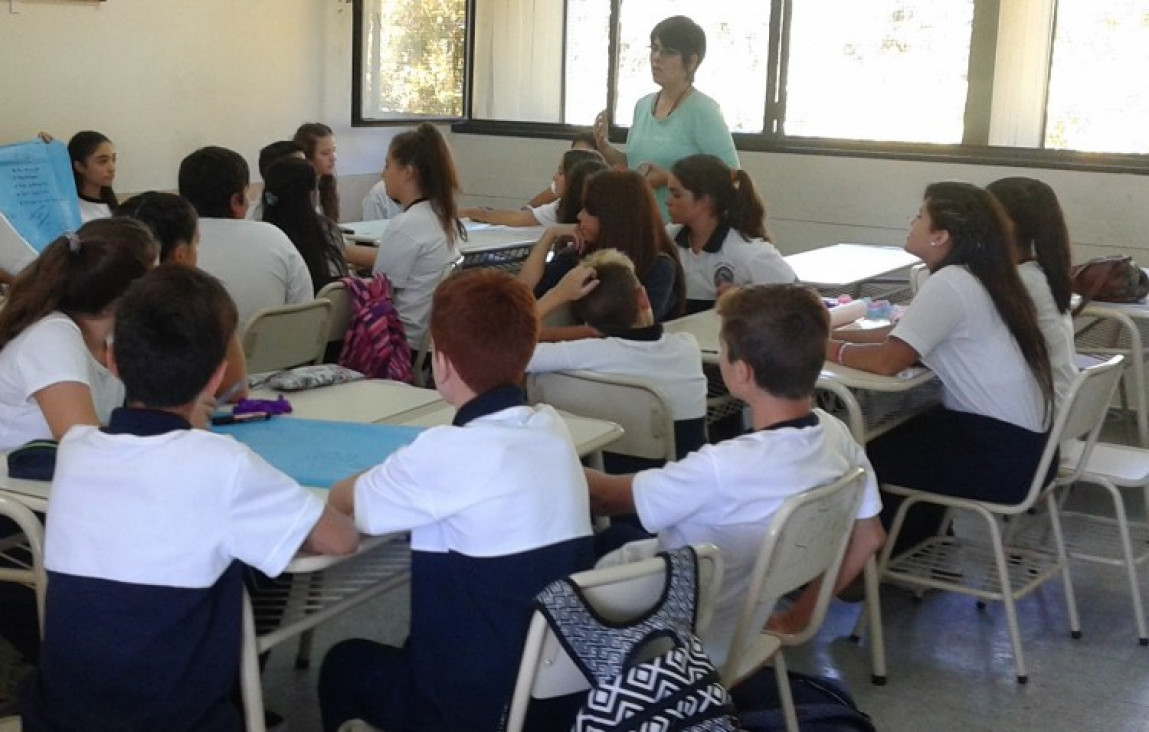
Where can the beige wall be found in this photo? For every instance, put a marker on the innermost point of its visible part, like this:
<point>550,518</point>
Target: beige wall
<point>163,77</point>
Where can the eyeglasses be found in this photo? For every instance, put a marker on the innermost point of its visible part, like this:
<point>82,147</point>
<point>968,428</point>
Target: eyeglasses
<point>663,51</point>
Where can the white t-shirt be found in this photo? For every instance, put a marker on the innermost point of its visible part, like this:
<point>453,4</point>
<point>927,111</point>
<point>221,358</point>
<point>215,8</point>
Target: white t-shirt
<point>413,254</point>
<point>91,210</point>
<point>546,214</point>
<point>727,493</point>
<point>256,262</point>
<point>48,352</point>
<point>479,489</point>
<point>670,363</point>
<point>954,327</point>
<point>1056,327</point>
<point>734,260</point>
<point>378,205</point>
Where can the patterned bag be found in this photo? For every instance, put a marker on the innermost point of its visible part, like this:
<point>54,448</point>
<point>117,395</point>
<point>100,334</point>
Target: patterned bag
<point>1110,279</point>
<point>677,689</point>
<point>375,344</point>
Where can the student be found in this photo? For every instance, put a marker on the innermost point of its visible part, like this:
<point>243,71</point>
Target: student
<point>421,242</point>
<point>378,204</point>
<point>1044,262</point>
<point>772,344</point>
<point>974,324</point>
<point>318,142</point>
<point>581,141</point>
<point>606,295</point>
<point>546,214</point>
<point>268,154</point>
<point>488,532</point>
<point>152,520</point>
<point>289,203</point>
<point>719,225</point>
<point>55,328</point>
<point>175,225</point>
<point>618,212</point>
<point>256,262</point>
<point>94,169</point>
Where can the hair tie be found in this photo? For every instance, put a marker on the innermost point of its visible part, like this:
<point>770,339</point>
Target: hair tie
<point>73,242</point>
<point>270,198</point>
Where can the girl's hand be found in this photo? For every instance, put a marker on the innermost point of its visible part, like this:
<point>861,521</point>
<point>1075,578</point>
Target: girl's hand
<point>568,234</point>
<point>576,284</point>
<point>600,130</point>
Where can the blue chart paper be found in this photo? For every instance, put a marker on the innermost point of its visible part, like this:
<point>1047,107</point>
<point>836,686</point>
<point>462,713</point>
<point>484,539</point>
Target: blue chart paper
<point>317,453</point>
<point>37,191</point>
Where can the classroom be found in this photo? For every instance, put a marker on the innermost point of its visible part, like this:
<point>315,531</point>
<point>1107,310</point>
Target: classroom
<point>163,79</point>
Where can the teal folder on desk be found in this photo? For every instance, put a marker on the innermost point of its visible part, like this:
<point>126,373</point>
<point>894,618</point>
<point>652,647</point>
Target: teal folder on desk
<point>317,453</point>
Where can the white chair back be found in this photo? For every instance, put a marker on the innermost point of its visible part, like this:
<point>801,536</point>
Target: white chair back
<point>617,593</point>
<point>639,407</point>
<point>807,538</point>
<point>336,293</point>
<point>288,336</point>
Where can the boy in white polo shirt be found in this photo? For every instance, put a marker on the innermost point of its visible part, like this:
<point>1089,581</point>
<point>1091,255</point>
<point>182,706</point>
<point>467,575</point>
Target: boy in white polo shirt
<point>497,507</point>
<point>605,293</point>
<point>772,348</point>
<point>151,522</point>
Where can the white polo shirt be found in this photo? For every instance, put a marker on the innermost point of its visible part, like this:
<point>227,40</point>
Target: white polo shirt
<point>954,327</point>
<point>728,257</point>
<point>547,214</point>
<point>256,262</point>
<point>50,351</point>
<point>413,253</point>
<point>1055,326</point>
<point>727,493</point>
<point>378,205</point>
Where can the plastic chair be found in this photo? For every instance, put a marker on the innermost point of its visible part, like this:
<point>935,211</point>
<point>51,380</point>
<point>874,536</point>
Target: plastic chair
<point>420,368</point>
<point>22,555</point>
<point>618,593</point>
<point>336,293</point>
<point>284,337</point>
<point>640,408</point>
<point>807,539</point>
<point>1012,571</point>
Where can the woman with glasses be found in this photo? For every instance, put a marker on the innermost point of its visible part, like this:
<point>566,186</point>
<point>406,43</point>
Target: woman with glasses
<point>677,120</point>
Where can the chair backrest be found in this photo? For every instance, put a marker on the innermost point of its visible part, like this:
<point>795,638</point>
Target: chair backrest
<point>639,407</point>
<point>336,293</point>
<point>422,353</point>
<point>287,336</point>
<point>1081,416</point>
<point>807,538</point>
<point>30,539</point>
<point>618,593</point>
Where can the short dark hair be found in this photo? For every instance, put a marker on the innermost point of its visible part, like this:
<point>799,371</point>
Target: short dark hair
<point>485,321</point>
<point>172,332</point>
<point>276,150</point>
<point>679,33</point>
<point>170,217</point>
<point>210,177</point>
<point>780,332</point>
<point>612,306</point>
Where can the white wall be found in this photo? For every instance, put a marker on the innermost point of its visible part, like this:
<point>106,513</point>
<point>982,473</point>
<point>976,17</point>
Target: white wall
<point>164,77</point>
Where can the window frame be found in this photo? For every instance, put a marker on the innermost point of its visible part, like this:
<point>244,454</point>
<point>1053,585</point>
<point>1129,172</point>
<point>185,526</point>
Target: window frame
<point>974,149</point>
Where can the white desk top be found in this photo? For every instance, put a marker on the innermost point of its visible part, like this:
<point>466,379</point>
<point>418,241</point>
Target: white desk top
<point>842,265</point>
<point>370,401</point>
<point>480,237</point>
<point>589,435</point>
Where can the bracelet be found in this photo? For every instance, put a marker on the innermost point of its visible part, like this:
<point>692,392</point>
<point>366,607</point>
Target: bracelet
<point>842,352</point>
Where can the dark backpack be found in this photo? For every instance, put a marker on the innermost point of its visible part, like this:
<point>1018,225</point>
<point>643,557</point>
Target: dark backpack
<point>822,704</point>
<point>375,344</point>
<point>677,688</point>
<point>1110,279</point>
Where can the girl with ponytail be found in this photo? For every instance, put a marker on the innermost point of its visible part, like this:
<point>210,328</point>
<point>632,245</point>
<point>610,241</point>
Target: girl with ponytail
<point>719,225</point>
<point>55,327</point>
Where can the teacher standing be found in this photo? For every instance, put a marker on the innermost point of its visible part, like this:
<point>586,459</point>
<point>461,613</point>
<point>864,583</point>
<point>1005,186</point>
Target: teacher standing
<point>677,120</point>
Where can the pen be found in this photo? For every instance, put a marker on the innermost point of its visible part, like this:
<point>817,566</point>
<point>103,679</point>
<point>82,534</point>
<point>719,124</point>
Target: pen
<point>239,418</point>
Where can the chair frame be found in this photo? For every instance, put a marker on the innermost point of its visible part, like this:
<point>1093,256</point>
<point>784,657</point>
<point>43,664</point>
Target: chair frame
<point>32,541</point>
<point>308,353</point>
<point>617,592</point>
<point>420,366</point>
<point>336,293</point>
<point>1020,570</point>
<point>807,538</point>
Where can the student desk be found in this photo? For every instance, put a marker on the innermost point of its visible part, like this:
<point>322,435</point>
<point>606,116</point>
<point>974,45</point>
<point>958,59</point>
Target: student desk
<point>369,400</point>
<point>502,247</point>
<point>849,267</point>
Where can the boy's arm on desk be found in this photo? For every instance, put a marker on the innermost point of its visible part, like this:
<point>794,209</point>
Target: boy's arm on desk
<point>333,534</point>
<point>610,495</point>
<point>341,496</point>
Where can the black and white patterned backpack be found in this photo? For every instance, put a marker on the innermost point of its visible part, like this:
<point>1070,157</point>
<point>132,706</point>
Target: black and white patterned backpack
<point>676,689</point>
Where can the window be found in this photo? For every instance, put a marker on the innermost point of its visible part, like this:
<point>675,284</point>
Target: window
<point>409,59</point>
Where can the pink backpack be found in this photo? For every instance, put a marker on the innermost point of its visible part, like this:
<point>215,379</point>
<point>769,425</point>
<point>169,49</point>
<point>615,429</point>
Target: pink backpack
<point>375,344</point>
